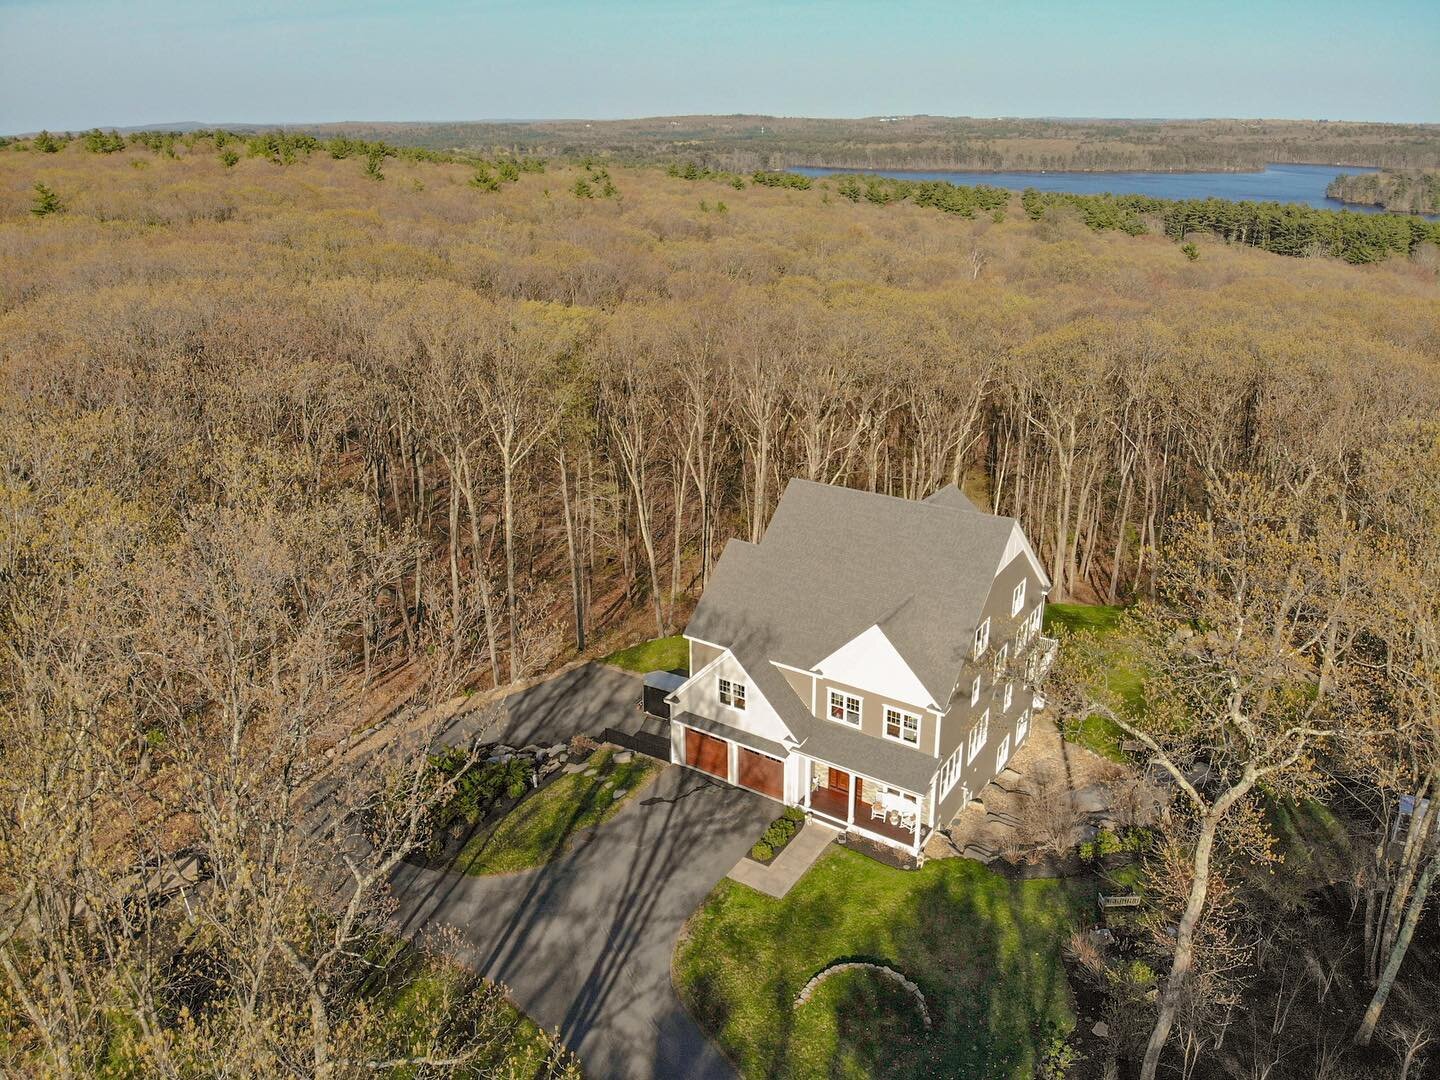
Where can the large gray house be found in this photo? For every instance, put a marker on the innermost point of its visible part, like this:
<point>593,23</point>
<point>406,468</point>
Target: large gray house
<point>873,659</point>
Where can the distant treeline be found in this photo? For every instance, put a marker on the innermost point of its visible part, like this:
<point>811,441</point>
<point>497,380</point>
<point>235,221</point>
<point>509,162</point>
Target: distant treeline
<point>1413,192</point>
<point>742,144</point>
<point>1281,228</point>
<point>281,146</point>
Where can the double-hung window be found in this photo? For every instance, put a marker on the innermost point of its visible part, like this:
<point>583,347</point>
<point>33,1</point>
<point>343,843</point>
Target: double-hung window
<point>844,708</point>
<point>902,726</point>
<point>1002,753</point>
<point>1017,599</point>
<point>950,772</point>
<point>975,692</point>
<point>1009,696</point>
<point>1022,727</point>
<point>732,694</point>
<point>982,638</point>
<point>1002,657</point>
<point>978,735</point>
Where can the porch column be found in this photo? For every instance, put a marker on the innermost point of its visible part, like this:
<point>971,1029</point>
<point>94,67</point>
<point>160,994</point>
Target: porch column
<point>850,802</point>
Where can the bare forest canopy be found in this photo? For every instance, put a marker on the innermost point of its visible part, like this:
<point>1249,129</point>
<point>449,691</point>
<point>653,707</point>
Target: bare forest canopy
<point>291,432</point>
<point>1416,191</point>
<point>746,143</point>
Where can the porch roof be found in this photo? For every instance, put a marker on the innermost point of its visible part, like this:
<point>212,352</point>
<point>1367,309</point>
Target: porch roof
<point>883,760</point>
<point>734,734</point>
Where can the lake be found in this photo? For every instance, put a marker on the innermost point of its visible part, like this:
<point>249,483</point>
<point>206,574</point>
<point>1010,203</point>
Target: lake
<point>1278,183</point>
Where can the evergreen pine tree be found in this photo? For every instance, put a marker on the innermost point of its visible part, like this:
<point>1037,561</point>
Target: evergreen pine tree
<point>45,201</point>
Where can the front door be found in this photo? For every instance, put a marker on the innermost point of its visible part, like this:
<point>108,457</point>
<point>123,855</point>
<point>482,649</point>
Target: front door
<point>839,781</point>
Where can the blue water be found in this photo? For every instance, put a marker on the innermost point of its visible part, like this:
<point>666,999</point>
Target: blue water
<point>1278,183</point>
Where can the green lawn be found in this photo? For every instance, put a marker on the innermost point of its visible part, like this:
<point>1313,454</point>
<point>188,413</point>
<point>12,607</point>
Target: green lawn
<point>984,950</point>
<point>1096,732</point>
<point>660,654</point>
<point>409,990</point>
<point>542,826</point>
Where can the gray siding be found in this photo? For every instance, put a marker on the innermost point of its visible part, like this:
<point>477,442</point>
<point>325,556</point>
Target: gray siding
<point>961,717</point>
<point>872,712</point>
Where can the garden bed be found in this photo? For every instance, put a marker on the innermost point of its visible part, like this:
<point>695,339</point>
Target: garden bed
<point>778,835</point>
<point>544,826</point>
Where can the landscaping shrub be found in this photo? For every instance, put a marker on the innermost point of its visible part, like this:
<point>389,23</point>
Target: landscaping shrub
<point>1108,843</point>
<point>479,788</point>
<point>779,833</point>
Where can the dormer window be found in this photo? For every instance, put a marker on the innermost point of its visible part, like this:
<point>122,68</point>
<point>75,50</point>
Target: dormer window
<point>844,708</point>
<point>1017,599</point>
<point>732,694</point>
<point>982,638</point>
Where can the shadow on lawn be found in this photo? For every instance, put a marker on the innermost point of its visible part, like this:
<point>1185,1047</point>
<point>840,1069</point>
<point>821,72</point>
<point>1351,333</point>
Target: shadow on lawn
<point>986,953</point>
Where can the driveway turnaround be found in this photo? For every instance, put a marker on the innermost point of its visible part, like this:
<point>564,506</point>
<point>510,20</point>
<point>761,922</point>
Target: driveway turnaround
<point>584,944</point>
<point>585,700</point>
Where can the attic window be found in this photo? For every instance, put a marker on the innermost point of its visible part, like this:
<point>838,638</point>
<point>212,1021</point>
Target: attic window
<point>1017,599</point>
<point>982,638</point>
<point>732,694</point>
<point>844,708</point>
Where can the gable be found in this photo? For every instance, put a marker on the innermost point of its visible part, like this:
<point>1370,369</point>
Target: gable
<point>871,662</point>
<point>700,695</point>
<point>1017,544</point>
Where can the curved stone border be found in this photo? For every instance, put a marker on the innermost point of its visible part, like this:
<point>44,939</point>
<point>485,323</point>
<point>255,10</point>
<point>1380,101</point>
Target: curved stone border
<point>880,969</point>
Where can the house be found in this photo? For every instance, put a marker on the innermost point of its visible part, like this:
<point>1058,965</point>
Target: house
<point>872,660</point>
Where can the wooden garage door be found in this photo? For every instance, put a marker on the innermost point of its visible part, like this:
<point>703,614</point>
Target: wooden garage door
<point>763,774</point>
<point>707,753</point>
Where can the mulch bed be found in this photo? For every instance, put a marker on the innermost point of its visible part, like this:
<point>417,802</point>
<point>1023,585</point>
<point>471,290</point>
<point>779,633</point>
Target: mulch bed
<point>880,852</point>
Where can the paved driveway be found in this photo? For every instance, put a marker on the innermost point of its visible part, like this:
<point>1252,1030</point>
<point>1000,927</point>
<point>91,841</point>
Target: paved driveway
<point>586,700</point>
<point>585,943</point>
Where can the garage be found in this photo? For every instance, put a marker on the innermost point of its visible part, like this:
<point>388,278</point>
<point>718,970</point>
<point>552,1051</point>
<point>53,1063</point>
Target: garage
<point>761,773</point>
<point>707,753</point>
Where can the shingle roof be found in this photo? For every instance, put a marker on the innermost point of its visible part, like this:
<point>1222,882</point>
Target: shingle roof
<point>836,561</point>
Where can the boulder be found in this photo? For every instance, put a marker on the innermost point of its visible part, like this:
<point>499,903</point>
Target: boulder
<point>619,794</point>
<point>624,757</point>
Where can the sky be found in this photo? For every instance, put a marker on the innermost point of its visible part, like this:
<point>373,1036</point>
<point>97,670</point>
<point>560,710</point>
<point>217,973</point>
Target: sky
<point>74,64</point>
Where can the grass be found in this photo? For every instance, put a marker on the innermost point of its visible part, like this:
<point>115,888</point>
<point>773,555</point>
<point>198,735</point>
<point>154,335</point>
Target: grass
<point>542,827</point>
<point>984,950</point>
<point>1097,733</point>
<point>410,989</point>
<point>659,654</point>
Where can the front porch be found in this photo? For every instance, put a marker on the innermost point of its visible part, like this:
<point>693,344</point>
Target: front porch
<point>866,806</point>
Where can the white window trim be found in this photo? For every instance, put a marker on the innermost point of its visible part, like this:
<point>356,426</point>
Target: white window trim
<point>950,772</point>
<point>1002,754</point>
<point>1022,726</point>
<point>1002,657</point>
<point>1009,698</point>
<point>885,724</point>
<point>973,746</point>
<point>721,693</point>
<point>975,692</point>
<point>1017,598</point>
<point>982,638</point>
<point>844,699</point>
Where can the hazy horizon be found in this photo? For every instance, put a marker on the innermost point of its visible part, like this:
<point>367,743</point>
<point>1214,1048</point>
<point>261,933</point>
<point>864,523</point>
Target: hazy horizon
<point>77,64</point>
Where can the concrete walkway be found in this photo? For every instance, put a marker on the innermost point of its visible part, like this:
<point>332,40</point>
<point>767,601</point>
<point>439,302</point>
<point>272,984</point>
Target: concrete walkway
<point>799,855</point>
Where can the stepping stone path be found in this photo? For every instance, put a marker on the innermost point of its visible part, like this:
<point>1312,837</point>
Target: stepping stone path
<point>620,793</point>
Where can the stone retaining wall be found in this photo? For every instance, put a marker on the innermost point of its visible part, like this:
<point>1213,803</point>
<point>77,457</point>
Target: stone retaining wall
<point>880,969</point>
